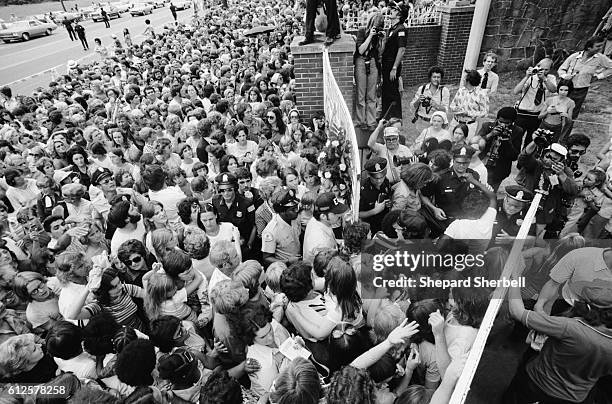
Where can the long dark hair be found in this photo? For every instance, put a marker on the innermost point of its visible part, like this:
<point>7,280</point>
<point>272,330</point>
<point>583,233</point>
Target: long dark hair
<point>341,281</point>
<point>108,276</point>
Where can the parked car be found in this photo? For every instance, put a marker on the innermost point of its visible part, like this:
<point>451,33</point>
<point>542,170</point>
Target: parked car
<point>181,4</point>
<point>159,3</point>
<point>25,29</point>
<point>123,7</point>
<point>59,16</point>
<point>87,12</point>
<point>111,11</point>
<point>141,9</point>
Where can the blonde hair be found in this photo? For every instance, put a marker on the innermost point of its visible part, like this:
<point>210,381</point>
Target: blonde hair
<point>273,275</point>
<point>159,289</point>
<point>14,356</point>
<point>160,239</point>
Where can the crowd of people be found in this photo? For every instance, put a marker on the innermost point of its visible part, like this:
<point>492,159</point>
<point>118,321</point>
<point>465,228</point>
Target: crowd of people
<point>174,231</point>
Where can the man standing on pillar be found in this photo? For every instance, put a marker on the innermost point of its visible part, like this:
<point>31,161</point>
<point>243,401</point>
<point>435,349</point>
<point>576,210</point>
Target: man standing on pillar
<point>391,61</point>
<point>333,22</point>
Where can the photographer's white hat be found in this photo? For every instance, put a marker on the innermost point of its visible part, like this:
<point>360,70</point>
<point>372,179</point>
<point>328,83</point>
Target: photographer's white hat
<point>391,131</point>
<point>557,148</point>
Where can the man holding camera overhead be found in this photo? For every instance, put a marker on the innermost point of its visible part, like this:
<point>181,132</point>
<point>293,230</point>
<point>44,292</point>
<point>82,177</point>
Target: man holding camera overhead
<point>533,89</point>
<point>391,150</point>
<point>429,98</point>
<point>503,145</point>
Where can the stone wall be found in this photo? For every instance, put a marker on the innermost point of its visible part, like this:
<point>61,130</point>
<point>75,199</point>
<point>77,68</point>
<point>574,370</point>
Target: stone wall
<point>516,29</point>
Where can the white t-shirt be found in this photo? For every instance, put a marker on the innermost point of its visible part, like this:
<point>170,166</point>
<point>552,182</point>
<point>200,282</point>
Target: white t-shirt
<point>479,231</point>
<point>248,150</point>
<point>316,237</point>
<point>481,169</point>
<point>229,232</point>
<point>23,198</point>
<point>123,235</point>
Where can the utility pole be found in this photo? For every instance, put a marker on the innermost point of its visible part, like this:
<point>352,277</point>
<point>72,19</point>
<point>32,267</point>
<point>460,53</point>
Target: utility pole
<point>63,6</point>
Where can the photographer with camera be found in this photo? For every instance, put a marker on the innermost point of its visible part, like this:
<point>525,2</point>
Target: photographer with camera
<point>503,145</point>
<point>550,174</point>
<point>430,98</point>
<point>367,65</point>
<point>391,150</point>
<point>534,88</point>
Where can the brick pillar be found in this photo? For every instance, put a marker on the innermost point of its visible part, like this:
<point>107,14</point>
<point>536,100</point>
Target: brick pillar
<point>308,68</point>
<point>456,25</point>
<point>421,53</point>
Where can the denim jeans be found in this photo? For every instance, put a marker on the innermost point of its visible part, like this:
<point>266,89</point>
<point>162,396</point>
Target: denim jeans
<point>365,104</point>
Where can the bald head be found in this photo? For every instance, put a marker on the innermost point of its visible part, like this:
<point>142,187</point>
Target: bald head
<point>544,66</point>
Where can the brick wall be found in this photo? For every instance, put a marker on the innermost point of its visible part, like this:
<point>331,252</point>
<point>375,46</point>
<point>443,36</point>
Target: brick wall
<point>309,72</point>
<point>523,30</point>
<point>421,53</point>
<point>456,25</point>
<point>427,46</point>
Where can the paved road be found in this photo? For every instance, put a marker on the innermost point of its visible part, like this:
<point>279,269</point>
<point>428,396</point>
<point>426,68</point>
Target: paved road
<point>36,57</point>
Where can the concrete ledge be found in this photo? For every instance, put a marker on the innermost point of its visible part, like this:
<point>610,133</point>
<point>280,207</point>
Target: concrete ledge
<point>456,9</point>
<point>345,44</point>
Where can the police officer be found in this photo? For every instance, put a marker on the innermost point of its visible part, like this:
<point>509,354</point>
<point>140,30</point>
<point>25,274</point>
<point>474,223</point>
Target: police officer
<point>281,237</point>
<point>511,212</point>
<point>235,209</point>
<point>391,60</point>
<point>375,195</point>
<point>451,187</point>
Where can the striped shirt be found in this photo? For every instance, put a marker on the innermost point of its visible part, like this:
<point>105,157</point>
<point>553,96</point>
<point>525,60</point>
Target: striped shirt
<point>123,309</point>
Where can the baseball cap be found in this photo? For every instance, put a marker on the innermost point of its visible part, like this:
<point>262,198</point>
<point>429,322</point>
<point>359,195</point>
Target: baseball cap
<point>327,202</point>
<point>391,131</point>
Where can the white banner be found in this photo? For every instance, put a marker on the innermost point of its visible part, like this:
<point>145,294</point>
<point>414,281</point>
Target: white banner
<point>340,125</point>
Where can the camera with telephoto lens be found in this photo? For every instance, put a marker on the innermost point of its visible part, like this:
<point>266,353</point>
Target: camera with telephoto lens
<point>543,138</point>
<point>400,161</point>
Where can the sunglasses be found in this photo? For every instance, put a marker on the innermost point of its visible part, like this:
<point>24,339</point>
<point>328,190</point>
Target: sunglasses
<point>226,190</point>
<point>134,260</point>
<point>579,152</point>
<point>271,117</point>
